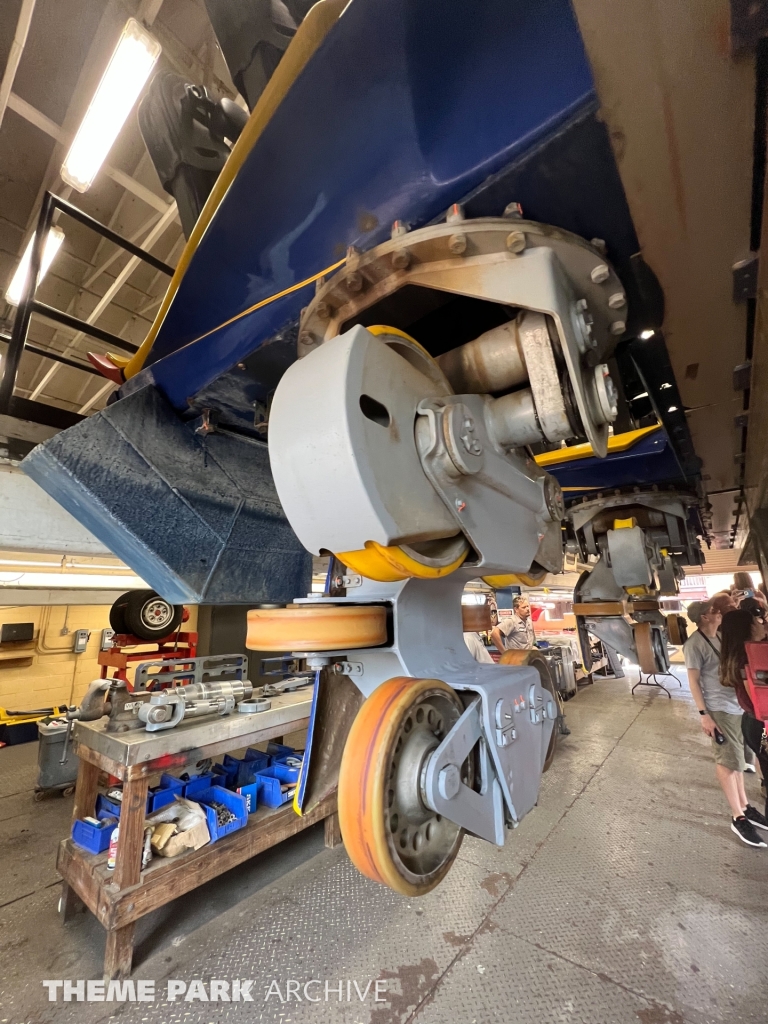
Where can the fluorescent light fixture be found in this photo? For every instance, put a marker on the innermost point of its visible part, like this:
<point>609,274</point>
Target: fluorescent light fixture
<point>51,247</point>
<point>663,387</point>
<point>70,581</point>
<point>672,408</point>
<point>645,335</point>
<point>59,565</point>
<point>127,72</point>
<point>643,394</point>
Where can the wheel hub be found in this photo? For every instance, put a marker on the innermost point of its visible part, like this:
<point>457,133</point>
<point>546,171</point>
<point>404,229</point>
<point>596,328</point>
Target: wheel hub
<point>419,839</point>
<point>157,613</point>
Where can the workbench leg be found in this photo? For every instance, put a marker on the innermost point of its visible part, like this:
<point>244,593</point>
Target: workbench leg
<point>118,956</point>
<point>332,831</point>
<point>131,835</point>
<point>85,790</point>
<point>71,903</point>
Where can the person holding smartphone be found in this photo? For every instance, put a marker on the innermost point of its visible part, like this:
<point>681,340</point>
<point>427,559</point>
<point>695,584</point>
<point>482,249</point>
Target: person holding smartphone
<point>720,719</point>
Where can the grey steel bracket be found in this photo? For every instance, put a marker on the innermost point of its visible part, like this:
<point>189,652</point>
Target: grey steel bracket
<point>490,494</point>
<point>481,813</point>
<point>180,671</point>
<point>510,723</point>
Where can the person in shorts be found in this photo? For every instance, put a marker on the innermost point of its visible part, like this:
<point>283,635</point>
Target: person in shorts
<point>720,719</point>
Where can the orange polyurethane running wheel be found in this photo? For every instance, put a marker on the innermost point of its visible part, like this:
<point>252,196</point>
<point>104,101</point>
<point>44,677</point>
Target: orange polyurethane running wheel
<point>316,627</point>
<point>390,834</point>
<point>646,656</point>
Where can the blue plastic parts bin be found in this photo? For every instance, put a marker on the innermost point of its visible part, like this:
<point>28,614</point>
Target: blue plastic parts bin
<point>243,770</point>
<point>290,757</point>
<point>250,794</point>
<point>270,781</point>
<point>197,783</point>
<point>165,793</point>
<point>236,804</point>
<point>92,838</point>
<point>106,806</point>
<point>158,797</point>
<point>280,749</point>
<point>257,757</point>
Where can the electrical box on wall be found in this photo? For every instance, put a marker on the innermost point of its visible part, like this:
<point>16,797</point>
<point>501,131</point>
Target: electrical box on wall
<point>13,632</point>
<point>107,642</point>
<point>81,640</point>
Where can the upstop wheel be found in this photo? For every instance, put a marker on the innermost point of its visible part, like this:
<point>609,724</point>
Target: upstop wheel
<point>390,834</point>
<point>534,657</point>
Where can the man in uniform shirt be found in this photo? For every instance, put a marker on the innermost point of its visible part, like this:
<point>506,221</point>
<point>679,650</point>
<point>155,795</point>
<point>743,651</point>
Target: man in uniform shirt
<point>515,631</point>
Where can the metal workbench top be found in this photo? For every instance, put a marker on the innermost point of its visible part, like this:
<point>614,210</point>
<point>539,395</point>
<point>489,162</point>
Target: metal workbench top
<point>289,711</point>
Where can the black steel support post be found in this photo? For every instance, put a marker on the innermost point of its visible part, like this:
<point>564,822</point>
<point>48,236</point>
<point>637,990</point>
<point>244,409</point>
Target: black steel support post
<point>24,311</point>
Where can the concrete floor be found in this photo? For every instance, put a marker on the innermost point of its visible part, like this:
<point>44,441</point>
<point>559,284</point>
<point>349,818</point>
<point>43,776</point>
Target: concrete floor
<point>622,898</point>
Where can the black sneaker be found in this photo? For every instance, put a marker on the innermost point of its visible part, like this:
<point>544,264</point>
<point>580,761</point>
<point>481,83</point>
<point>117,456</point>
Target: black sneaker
<point>746,832</point>
<point>758,820</point>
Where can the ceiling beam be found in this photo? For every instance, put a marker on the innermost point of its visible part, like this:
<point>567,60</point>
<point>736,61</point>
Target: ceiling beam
<point>14,57</point>
<point>39,120</point>
<point>148,11</point>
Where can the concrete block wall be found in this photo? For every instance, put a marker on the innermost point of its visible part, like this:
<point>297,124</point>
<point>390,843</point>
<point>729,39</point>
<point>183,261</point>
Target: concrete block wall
<point>56,674</point>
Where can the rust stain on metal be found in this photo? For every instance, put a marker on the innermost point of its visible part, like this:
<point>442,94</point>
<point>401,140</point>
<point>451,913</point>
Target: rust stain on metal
<point>675,164</point>
<point>496,883</point>
<point>656,1013</point>
<point>416,982</point>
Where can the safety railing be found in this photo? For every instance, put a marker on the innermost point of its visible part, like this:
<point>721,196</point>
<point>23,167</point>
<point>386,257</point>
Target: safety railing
<point>29,306</point>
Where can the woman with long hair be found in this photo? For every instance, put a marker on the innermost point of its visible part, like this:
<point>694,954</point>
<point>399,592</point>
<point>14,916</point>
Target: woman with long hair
<point>745,625</point>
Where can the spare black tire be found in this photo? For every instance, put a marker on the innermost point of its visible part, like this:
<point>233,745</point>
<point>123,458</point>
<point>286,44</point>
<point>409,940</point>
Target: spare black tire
<point>117,613</point>
<point>149,616</point>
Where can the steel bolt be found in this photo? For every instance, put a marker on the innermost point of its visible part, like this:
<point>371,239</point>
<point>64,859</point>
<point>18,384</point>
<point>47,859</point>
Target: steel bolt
<point>401,259</point>
<point>457,244</point>
<point>449,782</point>
<point>599,244</point>
<point>516,241</point>
<point>305,338</point>
<point>600,273</point>
<point>618,327</point>
<point>354,281</point>
<point>513,211</point>
<point>241,366</point>
<point>618,300</point>
<point>323,310</point>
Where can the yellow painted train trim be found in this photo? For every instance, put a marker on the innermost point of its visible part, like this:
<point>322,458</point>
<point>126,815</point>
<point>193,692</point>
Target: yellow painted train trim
<point>616,443</point>
<point>312,31</point>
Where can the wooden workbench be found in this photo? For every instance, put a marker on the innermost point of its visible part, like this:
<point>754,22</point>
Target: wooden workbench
<point>119,898</point>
